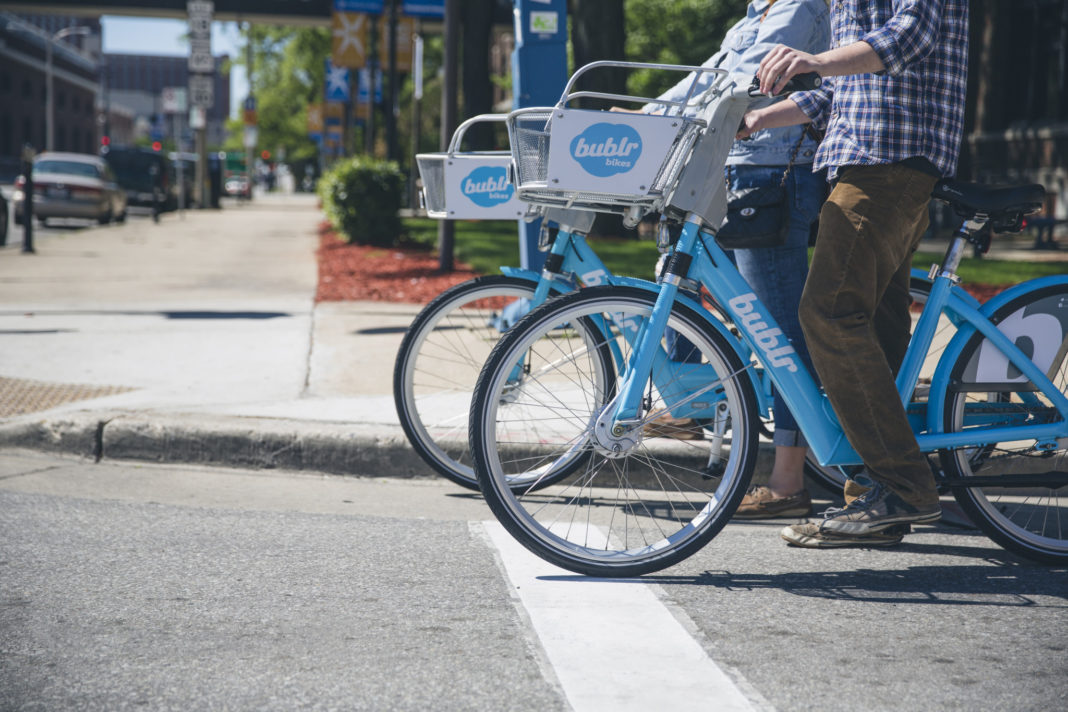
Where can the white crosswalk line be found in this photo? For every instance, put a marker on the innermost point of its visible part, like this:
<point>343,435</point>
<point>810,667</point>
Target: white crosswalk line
<point>613,644</point>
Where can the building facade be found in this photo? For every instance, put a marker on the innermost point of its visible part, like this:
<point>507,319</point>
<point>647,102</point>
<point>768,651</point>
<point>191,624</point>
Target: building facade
<point>23,93</point>
<point>137,81</point>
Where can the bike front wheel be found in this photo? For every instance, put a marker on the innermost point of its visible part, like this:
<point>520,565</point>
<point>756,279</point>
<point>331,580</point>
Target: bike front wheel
<point>1022,504</point>
<point>633,502</point>
<point>439,361</point>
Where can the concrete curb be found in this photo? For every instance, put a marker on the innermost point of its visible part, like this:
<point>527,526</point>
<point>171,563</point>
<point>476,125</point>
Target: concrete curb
<point>353,449</point>
<point>254,443</point>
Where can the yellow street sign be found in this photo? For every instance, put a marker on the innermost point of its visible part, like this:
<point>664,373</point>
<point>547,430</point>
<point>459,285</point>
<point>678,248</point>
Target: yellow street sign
<point>405,42</point>
<point>315,118</point>
<point>349,39</point>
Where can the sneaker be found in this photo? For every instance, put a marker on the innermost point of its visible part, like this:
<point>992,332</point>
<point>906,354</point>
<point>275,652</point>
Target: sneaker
<point>875,510</point>
<point>856,486</point>
<point>761,503</point>
<point>677,428</point>
<point>810,536</point>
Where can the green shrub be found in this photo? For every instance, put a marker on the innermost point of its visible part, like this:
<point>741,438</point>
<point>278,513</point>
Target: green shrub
<point>361,197</point>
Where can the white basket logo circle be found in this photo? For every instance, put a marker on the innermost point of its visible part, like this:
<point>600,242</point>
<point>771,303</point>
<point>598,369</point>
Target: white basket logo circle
<point>606,149</point>
<point>487,186</point>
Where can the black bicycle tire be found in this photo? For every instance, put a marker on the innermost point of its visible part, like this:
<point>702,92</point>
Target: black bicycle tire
<point>993,525</point>
<point>401,370</point>
<point>664,557</point>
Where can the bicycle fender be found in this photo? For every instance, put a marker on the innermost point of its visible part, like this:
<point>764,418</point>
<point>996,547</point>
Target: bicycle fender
<point>682,298</point>
<point>940,380</point>
<point>521,273</point>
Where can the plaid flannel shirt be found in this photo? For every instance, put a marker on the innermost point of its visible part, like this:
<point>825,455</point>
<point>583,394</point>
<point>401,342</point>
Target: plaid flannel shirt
<point>913,108</point>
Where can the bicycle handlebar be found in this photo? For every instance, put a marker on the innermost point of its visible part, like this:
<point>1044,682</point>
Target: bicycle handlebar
<point>799,82</point>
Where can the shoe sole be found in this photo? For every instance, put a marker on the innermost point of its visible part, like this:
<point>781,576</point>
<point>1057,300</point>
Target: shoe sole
<point>864,528</point>
<point>825,542</point>
<point>798,512</point>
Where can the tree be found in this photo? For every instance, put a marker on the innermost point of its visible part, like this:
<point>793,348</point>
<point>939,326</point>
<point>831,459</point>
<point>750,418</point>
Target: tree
<point>477,24</point>
<point>288,73</point>
<point>674,32</point>
<point>597,33</point>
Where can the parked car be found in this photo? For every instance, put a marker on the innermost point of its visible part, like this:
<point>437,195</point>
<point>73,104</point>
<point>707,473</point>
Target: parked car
<point>236,186</point>
<point>146,175</point>
<point>72,185</point>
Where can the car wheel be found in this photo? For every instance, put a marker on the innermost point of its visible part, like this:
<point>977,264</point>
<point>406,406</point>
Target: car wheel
<point>105,218</point>
<point>3,222</point>
<point>121,217</point>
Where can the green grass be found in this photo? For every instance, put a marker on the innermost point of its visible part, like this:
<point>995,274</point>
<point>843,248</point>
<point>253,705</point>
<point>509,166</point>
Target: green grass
<point>487,245</point>
<point>991,271</point>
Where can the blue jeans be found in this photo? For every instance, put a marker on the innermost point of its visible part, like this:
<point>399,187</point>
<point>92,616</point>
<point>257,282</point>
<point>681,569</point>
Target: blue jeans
<point>776,274</point>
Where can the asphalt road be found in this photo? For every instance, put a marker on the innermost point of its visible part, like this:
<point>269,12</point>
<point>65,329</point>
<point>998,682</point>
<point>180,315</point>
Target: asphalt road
<point>132,586</point>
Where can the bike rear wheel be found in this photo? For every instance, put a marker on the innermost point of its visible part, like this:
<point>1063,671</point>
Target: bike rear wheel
<point>636,504</point>
<point>438,363</point>
<point>1027,511</point>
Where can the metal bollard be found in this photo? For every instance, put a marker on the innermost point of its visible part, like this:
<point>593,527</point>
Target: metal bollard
<point>27,198</point>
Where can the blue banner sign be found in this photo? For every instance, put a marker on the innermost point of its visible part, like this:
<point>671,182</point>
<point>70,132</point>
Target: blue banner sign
<point>424,8</point>
<point>337,83</point>
<point>373,7</point>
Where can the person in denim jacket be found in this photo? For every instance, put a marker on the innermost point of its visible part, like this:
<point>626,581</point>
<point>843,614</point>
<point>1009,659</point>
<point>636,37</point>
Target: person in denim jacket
<point>777,274</point>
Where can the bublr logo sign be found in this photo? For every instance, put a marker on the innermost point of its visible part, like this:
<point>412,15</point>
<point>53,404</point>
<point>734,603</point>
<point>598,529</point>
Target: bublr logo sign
<point>488,186</point>
<point>607,149</point>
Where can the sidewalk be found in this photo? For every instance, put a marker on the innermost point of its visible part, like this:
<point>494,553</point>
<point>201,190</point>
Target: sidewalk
<point>197,340</point>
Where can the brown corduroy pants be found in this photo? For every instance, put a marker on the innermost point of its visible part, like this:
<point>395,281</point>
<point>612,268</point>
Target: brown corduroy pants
<point>855,315</point>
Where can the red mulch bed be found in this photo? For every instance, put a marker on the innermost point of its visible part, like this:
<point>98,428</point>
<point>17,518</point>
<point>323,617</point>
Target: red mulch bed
<point>381,274</point>
<point>410,274</point>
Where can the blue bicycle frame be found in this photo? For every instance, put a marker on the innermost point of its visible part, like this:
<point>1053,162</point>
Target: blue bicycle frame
<point>820,425</point>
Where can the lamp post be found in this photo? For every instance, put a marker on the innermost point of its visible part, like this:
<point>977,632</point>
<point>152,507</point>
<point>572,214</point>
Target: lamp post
<point>50,121</point>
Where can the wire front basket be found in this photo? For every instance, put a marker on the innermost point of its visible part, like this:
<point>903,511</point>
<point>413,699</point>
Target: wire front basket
<point>474,185</point>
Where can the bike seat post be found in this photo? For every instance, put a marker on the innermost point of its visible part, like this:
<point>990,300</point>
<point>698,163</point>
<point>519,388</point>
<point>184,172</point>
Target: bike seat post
<point>955,251</point>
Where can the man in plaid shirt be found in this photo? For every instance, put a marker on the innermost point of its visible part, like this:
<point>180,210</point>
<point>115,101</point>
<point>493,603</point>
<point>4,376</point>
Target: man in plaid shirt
<point>893,107</point>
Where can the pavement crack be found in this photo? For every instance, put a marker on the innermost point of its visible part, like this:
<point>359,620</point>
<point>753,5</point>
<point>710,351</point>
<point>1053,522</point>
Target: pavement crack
<point>98,440</point>
<point>29,473</point>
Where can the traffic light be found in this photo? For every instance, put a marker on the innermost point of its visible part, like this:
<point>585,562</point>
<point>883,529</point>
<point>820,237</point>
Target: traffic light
<point>265,155</point>
<point>157,146</point>
<point>105,141</point>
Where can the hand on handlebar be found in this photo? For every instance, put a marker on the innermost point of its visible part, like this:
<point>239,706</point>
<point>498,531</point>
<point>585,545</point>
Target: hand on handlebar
<point>780,65</point>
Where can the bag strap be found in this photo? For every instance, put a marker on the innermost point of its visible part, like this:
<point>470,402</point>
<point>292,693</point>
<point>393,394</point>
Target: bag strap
<point>793,155</point>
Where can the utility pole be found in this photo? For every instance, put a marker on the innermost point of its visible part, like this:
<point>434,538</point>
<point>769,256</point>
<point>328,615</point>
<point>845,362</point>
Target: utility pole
<point>446,228</point>
<point>389,110</point>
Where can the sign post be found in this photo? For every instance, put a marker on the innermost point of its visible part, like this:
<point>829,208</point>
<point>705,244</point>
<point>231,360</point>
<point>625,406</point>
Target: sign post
<point>174,103</point>
<point>539,75</point>
<point>201,89</point>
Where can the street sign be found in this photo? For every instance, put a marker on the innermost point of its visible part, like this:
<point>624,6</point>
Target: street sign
<point>405,42</point>
<point>200,16</point>
<point>202,90</point>
<point>424,8</point>
<point>200,57</point>
<point>337,83</point>
<point>349,39</point>
<point>197,117</point>
<point>173,100</point>
<point>372,6</point>
<point>315,118</point>
<point>252,135</point>
<point>248,110</point>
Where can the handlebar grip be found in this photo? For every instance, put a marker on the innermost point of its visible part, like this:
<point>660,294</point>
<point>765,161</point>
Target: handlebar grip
<point>799,82</point>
